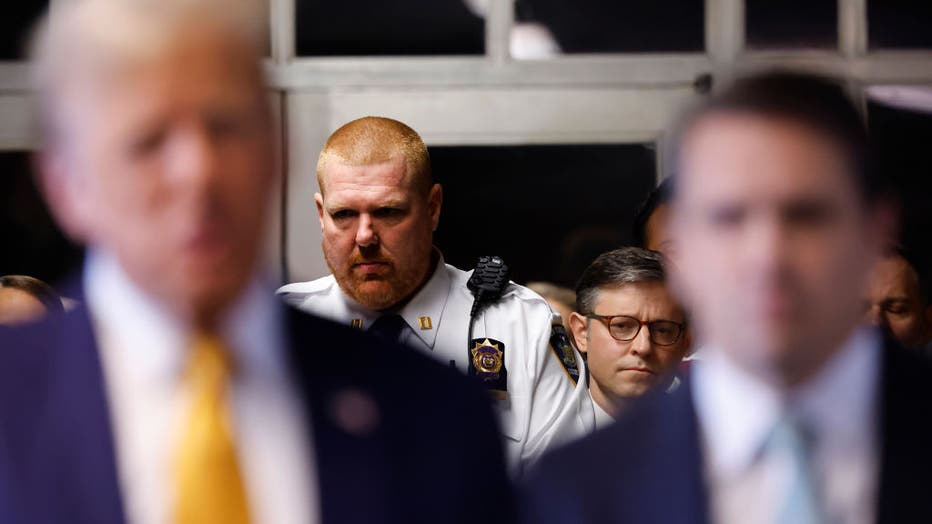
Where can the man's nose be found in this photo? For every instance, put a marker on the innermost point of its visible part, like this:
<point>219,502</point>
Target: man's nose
<point>767,242</point>
<point>365,233</point>
<point>641,345</point>
<point>192,157</point>
<point>876,317</point>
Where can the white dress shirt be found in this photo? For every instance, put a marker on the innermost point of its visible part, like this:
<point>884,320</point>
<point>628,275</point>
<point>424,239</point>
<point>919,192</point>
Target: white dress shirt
<point>602,418</point>
<point>737,412</point>
<point>143,354</point>
<point>544,406</point>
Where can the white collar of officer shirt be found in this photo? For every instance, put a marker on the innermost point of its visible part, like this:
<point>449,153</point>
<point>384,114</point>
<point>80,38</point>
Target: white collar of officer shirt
<point>430,302</point>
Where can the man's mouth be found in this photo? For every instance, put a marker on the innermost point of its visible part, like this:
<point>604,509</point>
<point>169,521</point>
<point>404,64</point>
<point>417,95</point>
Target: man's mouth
<point>369,267</point>
<point>639,370</point>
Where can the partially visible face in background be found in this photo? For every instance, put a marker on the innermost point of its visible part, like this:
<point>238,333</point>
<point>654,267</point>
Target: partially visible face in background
<point>19,307</point>
<point>895,302</point>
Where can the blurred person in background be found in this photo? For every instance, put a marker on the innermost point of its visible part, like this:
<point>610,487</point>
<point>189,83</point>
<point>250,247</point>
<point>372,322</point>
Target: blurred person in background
<point>562,300</point>
<point>630,329</point>
<point>898,301</point>
<point>184,391</point>
<point>25,299</point>
<point>651,222</point>
<point>797,412</point>
<point>378,207</point>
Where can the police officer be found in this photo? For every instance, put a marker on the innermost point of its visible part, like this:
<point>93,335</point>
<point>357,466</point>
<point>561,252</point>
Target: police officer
<point>378,208</point>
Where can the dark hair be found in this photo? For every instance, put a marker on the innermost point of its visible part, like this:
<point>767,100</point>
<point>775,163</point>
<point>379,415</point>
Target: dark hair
<point>35,287</point>
<point>818,102</point>
<point>627,265</point>
<point>922,276</point>
<point>659,196</point>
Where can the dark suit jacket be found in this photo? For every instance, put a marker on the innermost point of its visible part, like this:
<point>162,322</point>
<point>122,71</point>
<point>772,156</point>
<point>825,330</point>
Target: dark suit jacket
<point>647,468</point>
<point>433,456</point>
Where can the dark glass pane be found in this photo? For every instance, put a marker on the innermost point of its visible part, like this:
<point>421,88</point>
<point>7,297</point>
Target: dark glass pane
<point>782,24</point>
<point>32,243</point>
<point>903,139</point>
<point>899,23</point>
<point>547,210</point>
<point>610,26</point>
<point>377,27</point>
<point>16,25</point>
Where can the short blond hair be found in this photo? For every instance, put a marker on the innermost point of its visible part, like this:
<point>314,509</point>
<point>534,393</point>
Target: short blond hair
<point>87,37</point>
<point>375,139</point>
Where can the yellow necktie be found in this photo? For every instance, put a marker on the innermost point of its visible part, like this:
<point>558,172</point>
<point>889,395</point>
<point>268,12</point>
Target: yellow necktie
<point>209,484</point>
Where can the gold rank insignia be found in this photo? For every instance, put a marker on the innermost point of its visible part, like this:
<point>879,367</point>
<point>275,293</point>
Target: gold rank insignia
<point>356,323</point>
<point>425,323</point>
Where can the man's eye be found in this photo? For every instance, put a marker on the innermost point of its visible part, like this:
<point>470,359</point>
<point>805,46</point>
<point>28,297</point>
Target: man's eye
<point>624,324</point>
<point>388,212</point>
<point>342,214</point>
<point>225,125</point>
<point>726,216</point>
<point>808,213</point>
<point>146,143</point>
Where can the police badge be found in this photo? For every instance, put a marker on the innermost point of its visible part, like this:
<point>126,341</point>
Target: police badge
<point>487,362</point>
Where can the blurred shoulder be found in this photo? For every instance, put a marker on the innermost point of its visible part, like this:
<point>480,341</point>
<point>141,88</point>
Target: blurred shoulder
<point>297,293</point>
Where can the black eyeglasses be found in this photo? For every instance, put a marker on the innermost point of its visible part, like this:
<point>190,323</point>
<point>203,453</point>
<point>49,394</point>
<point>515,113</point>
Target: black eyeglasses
<point>625,328</point>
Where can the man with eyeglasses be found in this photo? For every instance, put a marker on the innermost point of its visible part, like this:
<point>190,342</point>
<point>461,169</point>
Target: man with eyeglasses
<point>630,328</point>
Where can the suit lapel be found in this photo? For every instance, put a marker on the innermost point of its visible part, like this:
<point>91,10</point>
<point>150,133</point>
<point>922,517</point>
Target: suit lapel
<point>685,465</point>
<point>82,475</point>
<point>906,438</point>
<point>351,460</point>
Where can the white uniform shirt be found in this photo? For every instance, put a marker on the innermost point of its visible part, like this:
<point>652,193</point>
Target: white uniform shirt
<point>143,355</point>
<point>736,411</point>
<point>544,407</point>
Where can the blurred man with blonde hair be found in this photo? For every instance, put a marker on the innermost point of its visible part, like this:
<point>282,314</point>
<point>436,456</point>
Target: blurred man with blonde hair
<point>183,391</point>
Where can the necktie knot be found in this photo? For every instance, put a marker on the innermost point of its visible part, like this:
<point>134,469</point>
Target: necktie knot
<point>209,362</point>
<point>388,327</point>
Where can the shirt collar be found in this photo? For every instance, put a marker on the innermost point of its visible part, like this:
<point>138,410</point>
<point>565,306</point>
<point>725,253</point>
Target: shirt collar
<point>422,313</point>
<point>154,342</point>
<point>602,417</point>
<point>737,410</point>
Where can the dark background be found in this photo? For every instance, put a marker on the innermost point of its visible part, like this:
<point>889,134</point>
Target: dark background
<point>16,25</point>
<point>548,210</point>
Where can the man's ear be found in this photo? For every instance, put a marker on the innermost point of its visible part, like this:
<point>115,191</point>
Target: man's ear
<point>319,201</point>
<point>434,203</point>
<point>687,343</point>
<point>578,326</point>
<point>58,188</point>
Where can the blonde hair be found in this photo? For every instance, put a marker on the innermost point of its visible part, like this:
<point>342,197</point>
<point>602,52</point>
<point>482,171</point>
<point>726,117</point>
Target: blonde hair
<point>89,37</point>
<point>374,139</point>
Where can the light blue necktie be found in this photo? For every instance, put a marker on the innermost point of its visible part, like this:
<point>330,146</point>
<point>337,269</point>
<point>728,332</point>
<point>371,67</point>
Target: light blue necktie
<point>800,503</point>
